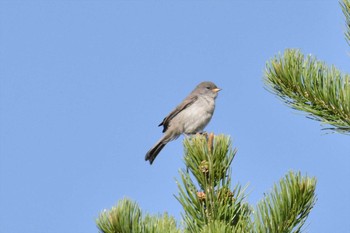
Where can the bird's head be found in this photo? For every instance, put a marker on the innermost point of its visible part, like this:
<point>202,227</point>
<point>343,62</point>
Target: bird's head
<point>208,88</point>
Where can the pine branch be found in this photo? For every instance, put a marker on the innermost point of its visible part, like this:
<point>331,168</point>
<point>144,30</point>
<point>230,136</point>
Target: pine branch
<point>286,208</point>
<point>308,85</point>
<point>211,205</point>
<point>345,5</point>
<point>126,217</point>
<point>210,200</point>
<point>160,224</point>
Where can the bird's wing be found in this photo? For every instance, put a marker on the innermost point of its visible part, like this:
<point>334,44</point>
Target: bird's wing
<point>185,104</point>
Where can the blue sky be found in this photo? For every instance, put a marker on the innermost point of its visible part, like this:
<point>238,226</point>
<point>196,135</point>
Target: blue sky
<point>84,84</point>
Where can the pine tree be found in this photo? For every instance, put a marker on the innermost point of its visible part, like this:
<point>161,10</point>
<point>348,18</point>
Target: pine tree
<point>309,85</point>
<point>210,203</point>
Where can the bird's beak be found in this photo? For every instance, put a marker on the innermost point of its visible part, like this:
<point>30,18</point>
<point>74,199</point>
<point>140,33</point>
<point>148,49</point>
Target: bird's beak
<point>216,90</point>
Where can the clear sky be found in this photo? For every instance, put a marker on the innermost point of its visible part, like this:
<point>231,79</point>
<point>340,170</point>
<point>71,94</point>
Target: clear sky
<point>84,84</point>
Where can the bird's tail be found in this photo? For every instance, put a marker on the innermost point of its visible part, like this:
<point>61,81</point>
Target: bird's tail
<point>154,151</point>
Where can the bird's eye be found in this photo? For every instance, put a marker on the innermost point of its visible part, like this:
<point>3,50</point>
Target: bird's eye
<point>208,88</point>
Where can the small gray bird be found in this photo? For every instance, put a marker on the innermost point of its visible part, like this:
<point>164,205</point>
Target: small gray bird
<point>189,117</point>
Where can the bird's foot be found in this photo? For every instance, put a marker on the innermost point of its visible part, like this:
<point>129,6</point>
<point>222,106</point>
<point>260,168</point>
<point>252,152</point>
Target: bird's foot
<point>190,135</point>
<point>205,134</point>
<point>196,134</point>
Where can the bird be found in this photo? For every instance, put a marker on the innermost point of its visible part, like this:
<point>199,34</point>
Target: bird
<point>191,116</point>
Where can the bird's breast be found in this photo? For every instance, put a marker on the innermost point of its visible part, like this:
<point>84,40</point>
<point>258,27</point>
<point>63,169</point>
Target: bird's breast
<point>198,115</point>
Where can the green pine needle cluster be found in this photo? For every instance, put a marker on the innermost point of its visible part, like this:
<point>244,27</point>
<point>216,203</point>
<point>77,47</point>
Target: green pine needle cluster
<point>212,205</point>
<point>345,5</point>
<point>210,199</point>
<point>286,208</point>
<point>126,217</point>
<point>309,85</point>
